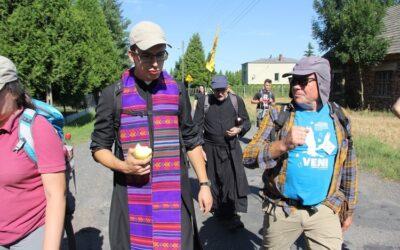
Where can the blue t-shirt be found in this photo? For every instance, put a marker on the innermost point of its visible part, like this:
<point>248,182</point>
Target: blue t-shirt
<point>310,166</point>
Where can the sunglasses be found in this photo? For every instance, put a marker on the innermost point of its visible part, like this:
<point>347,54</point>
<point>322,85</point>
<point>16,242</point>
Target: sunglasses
<point>302,81</point>
<point>148,58</point>
<point>219,90</point>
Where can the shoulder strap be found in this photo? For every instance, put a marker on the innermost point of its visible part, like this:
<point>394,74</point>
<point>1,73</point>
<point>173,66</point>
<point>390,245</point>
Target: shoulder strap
<point>234,101</point>
<point>117,104</point>
<point>206,104</point>
<point>283,116</point>
<point>25,138</point>
<point>344,121</point>
<point>232,97</point>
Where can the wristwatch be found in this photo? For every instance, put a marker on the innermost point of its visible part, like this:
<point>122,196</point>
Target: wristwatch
<point>205,183</point>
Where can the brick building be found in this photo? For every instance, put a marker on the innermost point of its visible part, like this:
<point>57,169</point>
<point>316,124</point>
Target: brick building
<point>381,82</point>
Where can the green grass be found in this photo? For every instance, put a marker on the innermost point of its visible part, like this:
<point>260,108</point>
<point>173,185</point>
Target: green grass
<point>377,157</point>
<point>80,129</point>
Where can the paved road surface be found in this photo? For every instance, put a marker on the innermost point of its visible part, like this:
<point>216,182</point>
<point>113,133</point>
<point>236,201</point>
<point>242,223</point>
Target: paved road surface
<point>376,224</point>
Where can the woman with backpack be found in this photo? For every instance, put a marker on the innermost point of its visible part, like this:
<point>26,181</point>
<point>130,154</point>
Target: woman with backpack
<point>32,203</point>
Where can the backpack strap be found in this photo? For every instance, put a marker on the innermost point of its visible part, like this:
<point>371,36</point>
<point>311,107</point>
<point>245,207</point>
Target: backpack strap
<point>25,138</point>
<point>232,97</point>
<point>234,101</point>
<point>283,116</point>
<point>117,110</point>
<point>206,103</point>
<point>344,121</point>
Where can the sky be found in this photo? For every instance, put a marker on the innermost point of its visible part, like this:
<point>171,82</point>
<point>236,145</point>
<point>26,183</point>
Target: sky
<point>249,30</point>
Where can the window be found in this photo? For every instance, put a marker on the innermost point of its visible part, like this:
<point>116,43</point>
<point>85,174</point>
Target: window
<point>383,83</point>
<point>276,77</point>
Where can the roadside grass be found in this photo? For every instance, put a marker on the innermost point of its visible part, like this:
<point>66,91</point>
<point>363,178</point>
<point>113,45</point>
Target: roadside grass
<point>381,125</point>
<point>80,129</point>
<point>378,157</point>
<point>376,137</point>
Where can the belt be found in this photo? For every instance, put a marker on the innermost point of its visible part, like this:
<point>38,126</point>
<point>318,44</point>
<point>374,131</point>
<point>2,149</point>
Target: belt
<point>311,209</point>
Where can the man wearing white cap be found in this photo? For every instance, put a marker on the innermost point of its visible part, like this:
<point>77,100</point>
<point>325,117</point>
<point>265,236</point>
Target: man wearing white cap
<point>151,206</point>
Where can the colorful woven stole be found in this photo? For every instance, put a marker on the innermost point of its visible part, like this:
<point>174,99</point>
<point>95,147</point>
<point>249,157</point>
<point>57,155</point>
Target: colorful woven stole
<point>155,205</point>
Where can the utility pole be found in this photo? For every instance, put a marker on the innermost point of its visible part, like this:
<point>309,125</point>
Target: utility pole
<point>183,62</point>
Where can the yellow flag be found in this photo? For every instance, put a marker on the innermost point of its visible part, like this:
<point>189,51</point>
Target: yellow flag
<point>210,65</point>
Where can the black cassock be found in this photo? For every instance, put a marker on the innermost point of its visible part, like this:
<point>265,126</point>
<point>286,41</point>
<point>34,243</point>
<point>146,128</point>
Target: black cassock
<point>103,136</point>
<point>225,170</point>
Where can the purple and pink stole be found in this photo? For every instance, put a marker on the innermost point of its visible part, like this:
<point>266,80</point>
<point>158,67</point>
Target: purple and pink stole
<point>154,202</point>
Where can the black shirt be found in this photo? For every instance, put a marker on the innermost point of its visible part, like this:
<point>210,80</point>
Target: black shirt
<point>268,96</point>
<point>104,133</point>
<point>220,116</point>
<point>197,96</point>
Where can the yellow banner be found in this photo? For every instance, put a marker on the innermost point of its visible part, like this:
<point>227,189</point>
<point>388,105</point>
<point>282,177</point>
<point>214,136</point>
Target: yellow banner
<point>210,65</point>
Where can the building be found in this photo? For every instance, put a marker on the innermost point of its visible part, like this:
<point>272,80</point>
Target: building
<point>255,72</point>
<point>381,82</point>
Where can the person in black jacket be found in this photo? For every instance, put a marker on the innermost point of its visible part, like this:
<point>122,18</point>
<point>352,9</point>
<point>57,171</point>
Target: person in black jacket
<point>224,119</point>
<point>148,52</point>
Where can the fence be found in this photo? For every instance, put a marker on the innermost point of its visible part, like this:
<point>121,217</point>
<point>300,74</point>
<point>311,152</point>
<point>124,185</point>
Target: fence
<point>245,91</point>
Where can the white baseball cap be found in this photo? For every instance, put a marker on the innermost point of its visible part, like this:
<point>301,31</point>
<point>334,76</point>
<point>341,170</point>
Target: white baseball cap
<point>147,34</point>
<point>8,71</point>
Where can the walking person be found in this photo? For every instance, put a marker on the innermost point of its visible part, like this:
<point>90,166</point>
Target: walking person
<point>32,193</point>
<point>224,119</point>
<point>151,205</point>
<point>264,100</point>
<point>198,95</point>
<point>310,164</point>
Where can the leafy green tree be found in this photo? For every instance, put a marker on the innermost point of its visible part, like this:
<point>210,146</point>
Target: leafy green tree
<point>177,71</point>
<point>30,37</point>
<point>350,31</point>
<point>117,25</point>
<point>101,65</point>
<point>309,51</point>
<point>59,47</point>
<point>234,78</point>
<point>193,62</point>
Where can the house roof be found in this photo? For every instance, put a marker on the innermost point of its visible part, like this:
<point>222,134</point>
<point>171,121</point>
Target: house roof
<point>392,28</point>
<point>274,60</point>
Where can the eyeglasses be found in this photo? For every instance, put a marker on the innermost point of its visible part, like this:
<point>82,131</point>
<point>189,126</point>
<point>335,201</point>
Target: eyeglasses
<point>302,81</point>
<point>219,90</point>
<point>148,58</point>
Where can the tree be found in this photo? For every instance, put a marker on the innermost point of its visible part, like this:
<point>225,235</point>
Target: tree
<point>30,37</point>
<point>177,71</point>
<point>350,31</point>
<point>58,47</point>
<point>234,78</point>
<point>193,61</point>
<point>117,24</point>
<point>309,51</point>
<point>101,65</point>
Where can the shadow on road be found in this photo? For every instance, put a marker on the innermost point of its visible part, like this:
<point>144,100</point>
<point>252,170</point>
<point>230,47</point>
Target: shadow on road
<point>215,236</point>
<point>87,238</point>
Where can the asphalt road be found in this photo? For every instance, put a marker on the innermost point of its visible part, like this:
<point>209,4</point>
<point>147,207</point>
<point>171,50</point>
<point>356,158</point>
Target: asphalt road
<point>376,224</point>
